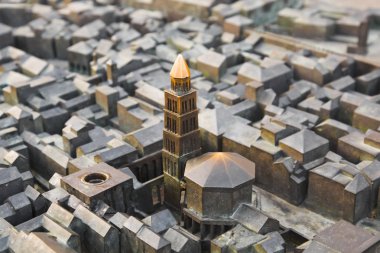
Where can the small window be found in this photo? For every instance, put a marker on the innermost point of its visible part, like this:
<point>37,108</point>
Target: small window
<point>191,125</point>
<point>156,195</point>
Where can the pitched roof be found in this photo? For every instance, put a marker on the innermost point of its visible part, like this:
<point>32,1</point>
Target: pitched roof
<point>81,48</point>
<point>161,221</point>
<point>152,239</point>
<point>343,237</point>
<point>19,113</point>
<point>180,68</point>
<point>304,141</point>
<point>214,121</point>
<point>358,184</point>
<point>220,170</point>
<point>178,241</point>
<point>254,220</point>
<point>246,134</point>
<point>218,120</point>
<point>372,170</point>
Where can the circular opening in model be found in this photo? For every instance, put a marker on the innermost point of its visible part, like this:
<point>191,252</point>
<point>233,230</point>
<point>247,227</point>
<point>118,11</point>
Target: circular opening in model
<point>95,178</point>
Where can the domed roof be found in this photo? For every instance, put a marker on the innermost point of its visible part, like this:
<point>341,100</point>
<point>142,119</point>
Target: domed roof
<point>220,170</point>
<point>180,69</point>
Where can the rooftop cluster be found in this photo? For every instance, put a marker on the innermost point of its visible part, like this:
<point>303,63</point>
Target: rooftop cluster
<point>187,126</point>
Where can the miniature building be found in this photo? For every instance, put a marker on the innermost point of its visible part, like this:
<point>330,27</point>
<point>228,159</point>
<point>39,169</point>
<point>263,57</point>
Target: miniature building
<point>139,238</point>
<point>152,242</point>
<point>255,220</point>
<point>151,95</point>
<point>367,116</point>
<point>181,134</point>
<point>235,24</point>
<point>75,134</point>
<point>240,141</point>
<point>102,236</point>
<point>134,114</point>
<point>182,241</point>
<point>100,182</point>
<point>240,239</point>
<point>147,140</point>
<point>265,154</point>
<point>289,180</point>
<point>276,77</point>
<point>334,239</point>
<point>372,173</point>
<point>212,65</point>
<point>106,98</point>
<point>305,146</point>
<point>332,130</point>
<point>213,123</point>
<point>161,221</point>
<point>79,56</point>
<point>351,192</point>
<point>355,148</point>
<point>216,184</point>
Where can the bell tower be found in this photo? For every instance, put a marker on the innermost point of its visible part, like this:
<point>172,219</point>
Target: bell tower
<point>181,134</point>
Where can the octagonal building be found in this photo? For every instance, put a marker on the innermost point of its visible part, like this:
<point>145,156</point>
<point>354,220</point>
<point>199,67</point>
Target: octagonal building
<point>216,184</point>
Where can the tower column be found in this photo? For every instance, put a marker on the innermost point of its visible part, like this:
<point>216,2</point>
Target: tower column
<point>181,136</point>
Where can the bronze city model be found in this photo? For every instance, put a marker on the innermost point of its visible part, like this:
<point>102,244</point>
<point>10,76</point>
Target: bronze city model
<point>180,126</point>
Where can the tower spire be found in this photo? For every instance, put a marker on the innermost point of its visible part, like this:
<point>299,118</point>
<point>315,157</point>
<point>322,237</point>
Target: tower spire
<point>180,75</point>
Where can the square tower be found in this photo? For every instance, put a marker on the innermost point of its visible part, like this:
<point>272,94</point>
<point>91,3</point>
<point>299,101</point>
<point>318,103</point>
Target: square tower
<point>181,135</point>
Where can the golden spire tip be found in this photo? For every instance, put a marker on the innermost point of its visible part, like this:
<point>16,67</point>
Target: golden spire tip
<point>180,68</point>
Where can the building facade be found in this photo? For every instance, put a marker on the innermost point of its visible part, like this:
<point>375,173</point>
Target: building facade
<point>181,136</point>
